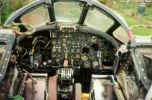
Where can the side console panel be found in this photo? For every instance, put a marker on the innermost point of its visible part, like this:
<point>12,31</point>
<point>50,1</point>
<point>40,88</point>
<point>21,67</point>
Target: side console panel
<point>8,73</point>
<point>6,44</point>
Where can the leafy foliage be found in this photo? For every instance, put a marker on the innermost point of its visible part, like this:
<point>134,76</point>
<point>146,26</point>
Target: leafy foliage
<point>5,11</point>
<point>8,6</point>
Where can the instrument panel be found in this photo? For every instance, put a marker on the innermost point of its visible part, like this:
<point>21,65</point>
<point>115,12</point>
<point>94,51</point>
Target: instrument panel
<point>76,45</point>
<point>58,48</point>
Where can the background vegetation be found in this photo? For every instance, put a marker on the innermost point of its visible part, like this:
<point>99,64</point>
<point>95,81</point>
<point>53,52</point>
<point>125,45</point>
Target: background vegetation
<point>8,6</point>
<point>129,11</point>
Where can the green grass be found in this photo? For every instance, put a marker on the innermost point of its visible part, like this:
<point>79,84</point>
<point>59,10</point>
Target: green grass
<point>148,13</point>
<point>130,20</point>
<point>138,30</point>
<point>129,7</point>
<point>142,31</point>
<point>132,7</point>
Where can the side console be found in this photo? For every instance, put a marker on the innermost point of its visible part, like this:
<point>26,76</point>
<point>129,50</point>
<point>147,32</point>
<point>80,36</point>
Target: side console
<point>8,72</point>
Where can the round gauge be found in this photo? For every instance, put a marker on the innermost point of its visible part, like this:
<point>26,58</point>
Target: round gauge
<point>59,50</point>
<point>53,34</point>
<point>85,44</point>
<point>87,64</point>
<point>92,56</point>
<point>78,43</point>
<point>95,64</point>
<point>72,50</point>
<point>84,57</point>
<point>54,50</point>
<point>93,39</point>
<point>64,44</point>
<point>59,42</point>
<point>78,51</point>
<point>68,42</point>
<point>78,56</point>
<point>54,42</point>
<point>65,50</point>
<point>73,42</point>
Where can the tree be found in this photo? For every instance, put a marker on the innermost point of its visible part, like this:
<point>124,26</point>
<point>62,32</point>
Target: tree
<point>4,10</point>
<point>2,3</point>
<point>8,6</point>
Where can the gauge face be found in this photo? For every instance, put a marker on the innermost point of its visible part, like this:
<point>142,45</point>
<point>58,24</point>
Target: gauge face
<point>53,34</point>
<point>79,46</point>
<point>93,39</point>
<point>59,50</point>
<point>94,64</point>
<point>78,42</point>
<point>78,50</point>
<point>85,44</point>
<point>72,50</point>
<point>65,49</point>
<point>78,56</point>
<point>64,44</point>
<point>54,50</point>
<point>54,42</point>
<point>68,42</point>
<point>84,57</point>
